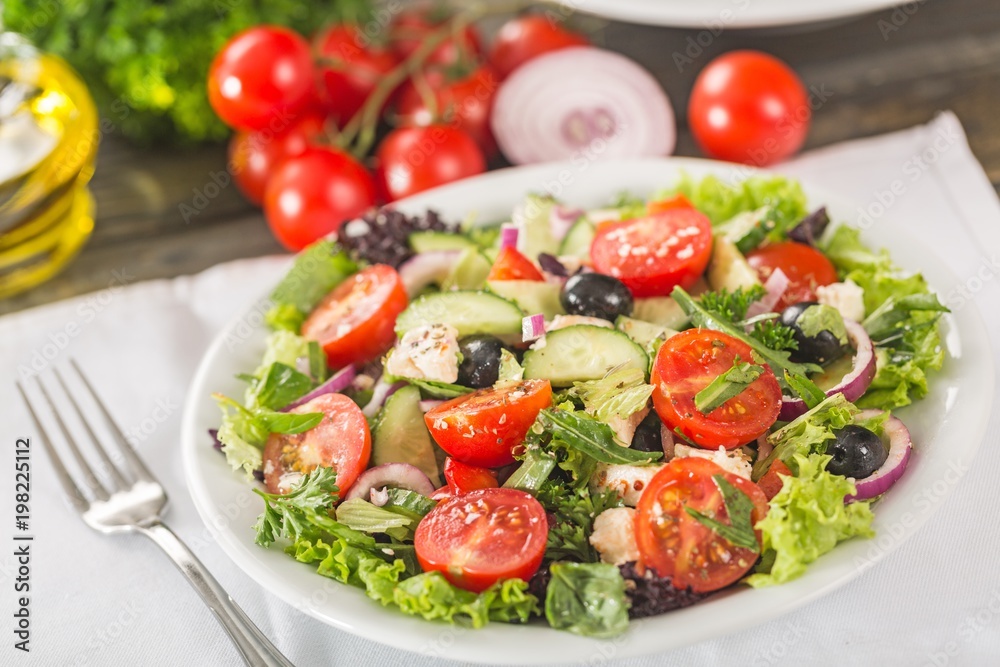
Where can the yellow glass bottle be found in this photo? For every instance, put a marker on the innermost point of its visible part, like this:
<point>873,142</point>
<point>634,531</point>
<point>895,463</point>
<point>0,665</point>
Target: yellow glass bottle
<point>48,145</point>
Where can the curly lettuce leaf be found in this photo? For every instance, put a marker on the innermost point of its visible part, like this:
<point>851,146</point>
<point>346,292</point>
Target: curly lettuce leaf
<point>315,272</point>
<point>432,597</point>
<point>722,201</point>
<point>807,519</point>
<point>587,599</point>
<point>618,395</point>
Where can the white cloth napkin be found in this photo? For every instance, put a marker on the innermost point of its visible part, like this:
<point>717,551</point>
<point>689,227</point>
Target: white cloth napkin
<point>117,601</point>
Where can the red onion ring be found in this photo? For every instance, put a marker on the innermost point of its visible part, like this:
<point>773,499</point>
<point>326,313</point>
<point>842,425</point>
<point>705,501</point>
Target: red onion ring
<point>582,102</point>
<point>429,404</point>
<point>532,327</point>
<point>340,381</point>
<point>396,475</point>
<point>900,448</point>
<point>853,385</point>
<point>425,268</point>
<point>508,236</point>
<point>776,284</point>
<point>380,393</point>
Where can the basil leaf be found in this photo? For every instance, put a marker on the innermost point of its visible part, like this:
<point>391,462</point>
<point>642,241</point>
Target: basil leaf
<point>587,599</point>
<point>280,385</point>
<point>591,437</point>
<point>739,531</point>
<point>726,386</point>
<point>287,422</point>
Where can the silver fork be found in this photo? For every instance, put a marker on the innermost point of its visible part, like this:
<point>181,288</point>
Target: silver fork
<point>134,501</point>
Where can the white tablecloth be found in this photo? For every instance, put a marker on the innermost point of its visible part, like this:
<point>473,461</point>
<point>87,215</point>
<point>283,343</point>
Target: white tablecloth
<point>117,601</point>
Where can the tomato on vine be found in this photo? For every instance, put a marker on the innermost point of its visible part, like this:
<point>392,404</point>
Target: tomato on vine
<point>527,37</point>
<point>413,159</point>
<point>350,67</point>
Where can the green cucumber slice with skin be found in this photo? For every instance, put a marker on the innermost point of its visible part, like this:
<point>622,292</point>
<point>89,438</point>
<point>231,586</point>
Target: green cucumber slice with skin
<point>748,229</point>
<point>582,352</point>
<point>400,435</point>
<point>532,220</point>
<point>531,296</point>
<point>650,336</point>
<point>469,272</point>
<point>578,239</point>
<point>469,312</point>
<point>427,241</point>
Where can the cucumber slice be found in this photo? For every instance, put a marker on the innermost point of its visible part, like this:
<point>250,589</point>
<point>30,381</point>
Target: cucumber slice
<point>469,272</point>
<point>728,268</point>
<point>582,352</point>
<point>749,229</point>
<point>660,310</point>
<point>650,336</point>
<point>532,220</point>
<point>577,241</point>
<point>469,312</point>
<point>427,241</point>
<point>531,296</point>
<point>400,435</point>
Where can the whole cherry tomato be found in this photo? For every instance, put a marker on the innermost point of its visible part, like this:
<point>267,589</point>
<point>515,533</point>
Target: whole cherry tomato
<point>413,159</point>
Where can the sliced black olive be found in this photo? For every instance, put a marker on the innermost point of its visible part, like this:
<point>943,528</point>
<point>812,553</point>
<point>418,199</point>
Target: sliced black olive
<point>857,452</point>
<point>480,365</point>
<point>822,346</point>
<point>647,436</point>
<point>596,295</point>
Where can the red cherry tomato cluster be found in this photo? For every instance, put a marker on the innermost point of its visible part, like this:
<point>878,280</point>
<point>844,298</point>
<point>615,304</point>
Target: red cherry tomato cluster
<point>306,111</point>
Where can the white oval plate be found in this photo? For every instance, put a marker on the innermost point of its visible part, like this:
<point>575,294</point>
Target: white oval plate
<point>715,15</point>
<point>947,428</point>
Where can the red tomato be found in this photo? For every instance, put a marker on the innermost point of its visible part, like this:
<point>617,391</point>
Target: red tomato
<point>464,102</point>
<point>655,253</point>
<point>772,480</point>
<point>806,268</point>
<point>463,478</point>
<point>412,28</point>
<point>483,427</point>
<point>261,77</point>
<point>479,538</point>
<point>254,156</point>
<point>675,544</point>
<point>413,159</point>
<point>443,493</point>
<point>341,441</point>
<point>750,107</point>
<point>527,37</point>
<point>661,205</point>
<point>350,68</point>
<point>314,193</point>
<point>512,265</point>
<point>686,364</point>
<point>355,322</point>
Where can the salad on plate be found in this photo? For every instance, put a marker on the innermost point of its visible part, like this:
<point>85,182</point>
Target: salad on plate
<point>582,416</point>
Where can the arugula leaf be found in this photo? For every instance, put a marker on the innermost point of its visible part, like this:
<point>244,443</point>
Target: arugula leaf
<point>533,471</point>
<point>587,599</point>
<point>726,386</point>
<point>888,322</point>
<point>591,437</point>
<point>806,389</point>
<point>739,530</point>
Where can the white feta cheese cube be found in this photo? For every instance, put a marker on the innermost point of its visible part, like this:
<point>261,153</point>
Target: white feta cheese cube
<point>847,297</point>
<point>428,352</point>
<point>735,461</point>
<point>614,536</point>
<point>627,481</point>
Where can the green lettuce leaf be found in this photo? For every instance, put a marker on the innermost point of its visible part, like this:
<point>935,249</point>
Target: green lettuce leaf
<point>316,271</point>
<point>722,201</point>
<point>362,515</point>
<point>587,599</point>
<point>618,395</point>
<point>807,519</point>
<point>432,597</point>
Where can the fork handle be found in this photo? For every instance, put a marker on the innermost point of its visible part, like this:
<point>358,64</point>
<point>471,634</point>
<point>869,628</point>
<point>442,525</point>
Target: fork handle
<point>253,646</point>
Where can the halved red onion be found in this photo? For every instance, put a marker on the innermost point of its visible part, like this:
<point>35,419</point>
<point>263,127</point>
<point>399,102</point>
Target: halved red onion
<point>340,381</point>
<point>561,218</point>
<point>425,268</point>
<point>852,385</point>
<point>775,287</point>
<point>508,235</point>
<point>900,448</point>
<point>532,327</point>
<point>380,392</point>
<point>394,475</point>
<point>582,101</point>
<point>429,404</point>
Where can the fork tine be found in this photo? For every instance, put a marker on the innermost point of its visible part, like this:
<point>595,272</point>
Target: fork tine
<point>69,486</point>
<point>138,467</point>
<point>102,452</point>
<point>89,477</point>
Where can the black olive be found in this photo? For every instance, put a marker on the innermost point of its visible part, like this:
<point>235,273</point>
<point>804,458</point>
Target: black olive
<point>596,295</point>
<point>821,348</point>
<point>856,453</point>
<point>480,365</point>
<point>647,436</point>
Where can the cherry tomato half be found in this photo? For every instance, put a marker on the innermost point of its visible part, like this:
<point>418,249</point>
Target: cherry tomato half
<point>655,253</point>
<point>510,264</point>
<point>675,544</point>
<point>350,68</point>
<point>686,364</point>
<point>314,193</point>
<point>463,478</point>
<point>341,441</point>
<point>771,482</point>
<point>805,267</point>
<point>661,205</point>
<point>750,107</point>
<point>355,323</point>
<point>526,37</point>
<point>413,159</point>
<point>483,427</point>
<point>260,77</point>
<point>478,538</point>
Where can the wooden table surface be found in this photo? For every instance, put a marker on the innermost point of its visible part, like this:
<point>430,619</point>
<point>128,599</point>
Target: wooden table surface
<point>883,72</point>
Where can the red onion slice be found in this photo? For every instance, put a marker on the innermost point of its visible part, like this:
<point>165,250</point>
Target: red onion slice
<point>395,475</point>
<point>853,385</point>
<point>775,286</point>
<point>532,327</point>
<point>425,268</point>
<point>582,101</point>
<point>340,381</point>
<point>429,404</point>
<point>508,235</point>
<point>380,393</point>
<point>900,448</point>
<point>561,218</point>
